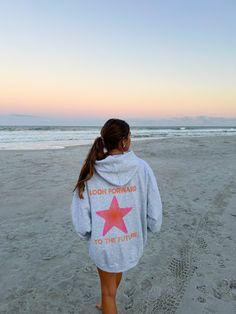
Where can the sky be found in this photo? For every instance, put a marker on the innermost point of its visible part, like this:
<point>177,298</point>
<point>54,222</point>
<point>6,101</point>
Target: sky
<point>126,58</point>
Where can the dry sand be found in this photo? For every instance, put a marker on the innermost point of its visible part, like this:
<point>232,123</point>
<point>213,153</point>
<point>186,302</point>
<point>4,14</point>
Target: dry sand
<point>189,267</point>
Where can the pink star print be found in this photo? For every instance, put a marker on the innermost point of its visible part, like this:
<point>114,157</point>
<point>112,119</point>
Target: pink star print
<point>114,216</point>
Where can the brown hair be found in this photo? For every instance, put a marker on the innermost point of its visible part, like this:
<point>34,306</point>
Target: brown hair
<point>113,131</point>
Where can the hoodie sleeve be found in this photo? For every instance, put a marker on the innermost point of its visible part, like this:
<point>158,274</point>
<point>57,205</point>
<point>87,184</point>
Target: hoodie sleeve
<point>81,215</point>
<point>154,204</point>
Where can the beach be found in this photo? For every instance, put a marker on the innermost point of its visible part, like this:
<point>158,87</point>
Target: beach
<point>188,267</point>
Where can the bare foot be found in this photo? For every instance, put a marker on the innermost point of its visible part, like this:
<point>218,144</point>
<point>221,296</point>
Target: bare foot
<point>99,306</point>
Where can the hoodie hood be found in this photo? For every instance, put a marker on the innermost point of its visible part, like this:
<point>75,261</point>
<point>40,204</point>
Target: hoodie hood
<point>117,169</point>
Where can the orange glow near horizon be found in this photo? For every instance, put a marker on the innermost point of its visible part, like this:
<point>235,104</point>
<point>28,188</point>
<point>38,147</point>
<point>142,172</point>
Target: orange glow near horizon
<point>72,100</point>
<point>34,93</point>
<point>123,59</point>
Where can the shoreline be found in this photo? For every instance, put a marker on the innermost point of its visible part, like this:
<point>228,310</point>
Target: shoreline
<point>134,141</point>
<point>189,266</point>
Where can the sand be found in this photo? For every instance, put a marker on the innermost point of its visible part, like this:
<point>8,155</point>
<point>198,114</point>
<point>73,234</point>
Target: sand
<point>189,267</point>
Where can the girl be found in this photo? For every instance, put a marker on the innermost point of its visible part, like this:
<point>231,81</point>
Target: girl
<point>115,202</point>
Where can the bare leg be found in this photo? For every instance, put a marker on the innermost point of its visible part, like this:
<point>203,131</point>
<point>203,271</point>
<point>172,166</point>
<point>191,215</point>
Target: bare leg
<point>109,284</point>
<point>118,280</point>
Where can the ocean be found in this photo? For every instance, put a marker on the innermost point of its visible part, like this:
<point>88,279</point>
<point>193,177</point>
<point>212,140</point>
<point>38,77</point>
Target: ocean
<point>59,137</point>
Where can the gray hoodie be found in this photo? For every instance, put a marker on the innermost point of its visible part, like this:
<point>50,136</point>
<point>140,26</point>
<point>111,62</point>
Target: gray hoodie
<point>121,203</point>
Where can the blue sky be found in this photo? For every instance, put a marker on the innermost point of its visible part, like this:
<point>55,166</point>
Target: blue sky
<point>171,57</point>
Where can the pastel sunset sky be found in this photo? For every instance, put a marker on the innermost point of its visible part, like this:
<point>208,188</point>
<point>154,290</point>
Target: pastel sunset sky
<point>146,58</point>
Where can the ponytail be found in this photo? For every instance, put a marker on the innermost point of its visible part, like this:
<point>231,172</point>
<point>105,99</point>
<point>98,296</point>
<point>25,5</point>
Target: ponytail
<point>96,153</point>
<point>113,131</point>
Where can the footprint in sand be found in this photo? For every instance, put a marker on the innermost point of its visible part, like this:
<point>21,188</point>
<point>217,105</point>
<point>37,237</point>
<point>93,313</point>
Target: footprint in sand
<point>154,294</point>
<point>225,288</point>
<point>129,292</point>
<point>146,284</point>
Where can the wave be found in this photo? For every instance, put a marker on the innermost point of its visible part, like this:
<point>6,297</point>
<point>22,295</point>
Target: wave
<point>54,137</point>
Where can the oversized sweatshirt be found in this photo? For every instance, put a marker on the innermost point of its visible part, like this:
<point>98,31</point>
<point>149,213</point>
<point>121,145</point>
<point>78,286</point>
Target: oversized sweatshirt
<point>121,204</point>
